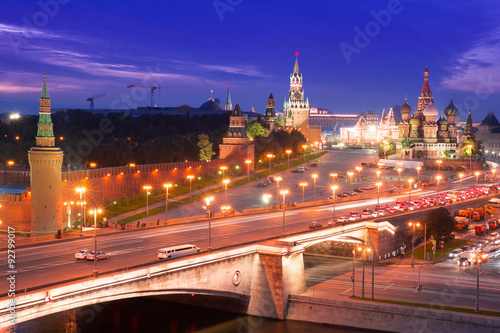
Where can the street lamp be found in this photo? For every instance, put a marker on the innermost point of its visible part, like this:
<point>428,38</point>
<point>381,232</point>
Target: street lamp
<point>399,179</point>
<point>439,163</point>
<point>284,193</point>
<point>147,188</point>
<point>493,170</point>
<point>409,192</point>
<point>266,198</point>
<point>248,162</point>
<point>334,188</point>
<point>413,226</point>
<point>225,181</point>
<point>334,175</point>
<point>470,156</point>
<point>438,179</point>
<point>269,156</point>
<point>314,175</point>
<point>81,190</point>
<point>461,176</point>
<point>166,186</point>
<point>365,249</point>
<point>68,211</point>
<point>350,173</point>
<point>418,174</point>
<point>94,212</point>
<point>190,177</point>
<point>303,185</point>
<point>378,172</point>
<point>208,200</point>
<point>358,169</point>
<point>304,147</point>
<point>478,266</point>
<point>378,196</point>
<point>288,151</point>
<point>277,179</point>
<point>477,176</point>
<point>223,168</point>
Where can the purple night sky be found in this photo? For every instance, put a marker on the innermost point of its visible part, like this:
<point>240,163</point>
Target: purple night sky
<point>191,47</point>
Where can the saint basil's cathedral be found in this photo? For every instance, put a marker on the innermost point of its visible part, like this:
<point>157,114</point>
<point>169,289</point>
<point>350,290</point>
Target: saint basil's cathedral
<point>423,134</point>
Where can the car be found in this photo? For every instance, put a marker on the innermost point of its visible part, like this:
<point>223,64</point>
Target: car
<point>315,225</point>
<point>367,213</point>
<point>261,184</point>
<point>455,253</point>
<point>463,262</point>
<point>358,190</point>
<point>313,165</point>
<point>354,216</point>
<point>100,255</point>
<point>81,254</point>
<point>342,219</point>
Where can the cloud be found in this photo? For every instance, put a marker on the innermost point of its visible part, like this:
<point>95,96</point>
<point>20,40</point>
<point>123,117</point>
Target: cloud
<point>236,69</point>
<point>476,66</point>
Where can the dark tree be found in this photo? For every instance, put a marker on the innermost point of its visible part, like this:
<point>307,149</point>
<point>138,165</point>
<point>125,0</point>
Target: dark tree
<point>440,224</point>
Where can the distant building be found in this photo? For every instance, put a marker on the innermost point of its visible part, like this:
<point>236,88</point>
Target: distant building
<point>270,116</point>
<point>364,131</point>
<point>489,134</point>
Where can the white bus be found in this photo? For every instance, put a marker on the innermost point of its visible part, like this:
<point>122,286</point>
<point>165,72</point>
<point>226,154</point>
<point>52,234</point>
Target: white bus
<point>176,251</point>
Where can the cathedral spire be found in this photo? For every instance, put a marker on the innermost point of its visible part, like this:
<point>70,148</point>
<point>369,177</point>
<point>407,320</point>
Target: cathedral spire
<point>296,67</point>
<point>229,105</point>
<point>45,91</point>
<point>45,132</point>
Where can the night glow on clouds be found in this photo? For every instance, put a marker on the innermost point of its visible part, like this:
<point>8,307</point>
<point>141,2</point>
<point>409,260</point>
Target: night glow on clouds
<point>478,65</point>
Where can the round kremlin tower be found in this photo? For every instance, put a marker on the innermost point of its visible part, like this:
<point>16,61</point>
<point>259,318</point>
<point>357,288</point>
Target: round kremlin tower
<point>45,174</point>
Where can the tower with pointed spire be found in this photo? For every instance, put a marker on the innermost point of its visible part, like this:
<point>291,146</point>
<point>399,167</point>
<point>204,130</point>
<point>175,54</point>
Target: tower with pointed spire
<point>425,95</point>
<point>236,146</point>
<point>45,174</point>
<point>270,116</point>
<point>468,129</point>
<point>296,109</point>
<point>229,105</point>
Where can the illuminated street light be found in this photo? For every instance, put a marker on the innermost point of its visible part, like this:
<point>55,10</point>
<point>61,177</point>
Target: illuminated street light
<point>439,163</point>
<point>413,226</point>
<point>225,181</point>
<point>303,185</point>
<point>461,176</point>
<point>378,172</point>
<point>334,188</point>
<point>477,176</point>
<point>190,177</point>
<point>94,212</point>
<point>438,179</point>
<point>68,211</point>
<point>350,174</point>
<point>493,170</point>
<point>277,179</point>
<point>315,175</point>
<point>266,198</point>
<point>269,156</point>
<point>378,196</point>
<point>363,248</point>
<point>248,162</point>
<point>208,200</point>
<point>223,168</point>
<point>284,193</point>
<point>166,186</point>
<point>288,152</point>
<point>147,188</point>
<point>304,147</point>
<point>81,190</point>
<point>358,169</point>
<point>418,174</point>
<point>14,116</point>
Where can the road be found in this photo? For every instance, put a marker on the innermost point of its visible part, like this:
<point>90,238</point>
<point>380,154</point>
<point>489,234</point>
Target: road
<point>49,263</point>
<point>444,283</point>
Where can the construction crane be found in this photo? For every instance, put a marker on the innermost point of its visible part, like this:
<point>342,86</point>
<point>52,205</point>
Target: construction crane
<point>91,100</point>
<point>153,88</point>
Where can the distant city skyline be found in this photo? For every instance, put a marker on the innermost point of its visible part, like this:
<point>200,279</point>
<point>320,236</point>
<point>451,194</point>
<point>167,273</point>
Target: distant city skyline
<point>354,57</point>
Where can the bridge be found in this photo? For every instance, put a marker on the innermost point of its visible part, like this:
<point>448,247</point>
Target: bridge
<point>254,279</point>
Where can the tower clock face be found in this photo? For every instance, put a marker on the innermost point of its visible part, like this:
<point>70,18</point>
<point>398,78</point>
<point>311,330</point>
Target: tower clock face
<point>297,95</point>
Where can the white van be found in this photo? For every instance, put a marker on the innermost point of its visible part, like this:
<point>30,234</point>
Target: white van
<point>176,251</point>
<point>494,202</point>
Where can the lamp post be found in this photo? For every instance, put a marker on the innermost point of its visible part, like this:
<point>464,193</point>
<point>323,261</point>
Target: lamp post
<point>94,212</point>
<point>470,156</point>
<point>225,181</point>
<point>266,198</point>
<point>288,152</point>
<point>166,186</point>
<point>190,177</point>
<point>334,175</point>
<point>304,147</point>
<point>439,163</point>
<point>418,174</point>
<point>413,226</point>
<point>68,212</point>
<point>378,172</point>
<point>277,179</point>
<point>399,179</point>
<point>147,188</point>
<point>314,176</point>
<point>477,176</point>
<point>409,192</point>
<point>461,176</point>
<point>208,200</point>
<point>303,185</point>
<point>248,162</point>
<point>438,177</point>
<point>378,196</point>
<point>363,248</point>
<point>334,188</point>
<point>478,266</point>
<point>284,193</point>
<point>81,190</point>
<point>353,267</point>
<point>269,156</point>
<point>493,171</point>
<point>223,168</point>
<point>350,173</point>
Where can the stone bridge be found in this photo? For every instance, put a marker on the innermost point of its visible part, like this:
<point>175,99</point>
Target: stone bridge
<point>255,279</point>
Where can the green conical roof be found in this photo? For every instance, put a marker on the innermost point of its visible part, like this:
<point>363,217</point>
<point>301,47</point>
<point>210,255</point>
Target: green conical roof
<point>228,101</point>
<point>45,91</point>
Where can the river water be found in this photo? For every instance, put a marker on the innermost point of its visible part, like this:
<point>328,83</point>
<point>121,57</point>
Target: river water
<point>144,315</point>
